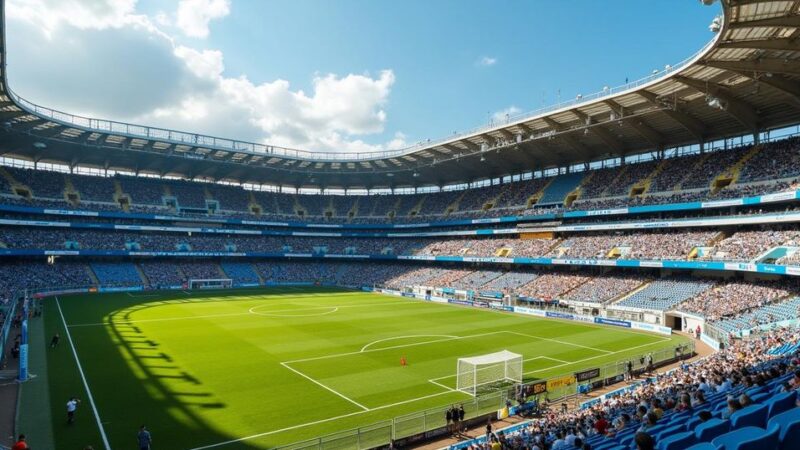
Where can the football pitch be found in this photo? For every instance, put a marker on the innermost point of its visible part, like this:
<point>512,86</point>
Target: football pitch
<point>255,369</point>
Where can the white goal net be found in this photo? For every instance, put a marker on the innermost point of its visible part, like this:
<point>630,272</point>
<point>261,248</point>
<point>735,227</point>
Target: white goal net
<point>210,283</point>
<point>486,371</point>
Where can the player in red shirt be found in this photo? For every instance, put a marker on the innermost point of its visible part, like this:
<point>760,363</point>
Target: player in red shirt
<point>403,361</point>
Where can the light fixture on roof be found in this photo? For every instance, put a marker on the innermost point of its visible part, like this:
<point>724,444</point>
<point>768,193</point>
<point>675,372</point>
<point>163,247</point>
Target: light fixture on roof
<point>390,174</point>
<point>715,25</point>
<point>715,102</point>
<point>416,174</point>
<point>708,2</point>
<point>39,145</point>
<point>483,158</point>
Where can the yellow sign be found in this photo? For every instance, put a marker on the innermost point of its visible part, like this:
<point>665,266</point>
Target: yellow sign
<point>556,383</point>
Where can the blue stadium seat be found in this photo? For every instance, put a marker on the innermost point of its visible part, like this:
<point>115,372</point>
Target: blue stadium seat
<point>751,416</point>
<point>702,446</point>
<point>764,441</point>
<point>784,421</point>
<point>663,433</point>
<point>731,439</point>
<point>691,423</point>
<point>711,429</point>
<point>677,441</point>
<point>790,436</point>
<point>780,403</point>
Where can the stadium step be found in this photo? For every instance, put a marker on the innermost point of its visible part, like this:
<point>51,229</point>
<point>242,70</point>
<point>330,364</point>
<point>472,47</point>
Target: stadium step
<point>690,173</point>
<point>142,275</point>
<point>641,187</point>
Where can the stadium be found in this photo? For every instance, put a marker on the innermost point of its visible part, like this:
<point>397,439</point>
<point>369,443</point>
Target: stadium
<point>619,270</point>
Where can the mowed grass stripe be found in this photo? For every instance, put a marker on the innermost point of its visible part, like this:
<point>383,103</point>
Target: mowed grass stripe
<point>218,376</point>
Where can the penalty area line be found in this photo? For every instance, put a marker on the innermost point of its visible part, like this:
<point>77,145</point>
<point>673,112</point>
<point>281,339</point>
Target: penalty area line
<point>325,387</point>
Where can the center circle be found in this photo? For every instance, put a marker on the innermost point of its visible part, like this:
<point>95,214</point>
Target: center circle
<point>303,312</point>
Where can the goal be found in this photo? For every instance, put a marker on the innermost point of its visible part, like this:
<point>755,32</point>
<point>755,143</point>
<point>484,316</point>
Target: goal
<point>210,283</point>
<point>488,371</point>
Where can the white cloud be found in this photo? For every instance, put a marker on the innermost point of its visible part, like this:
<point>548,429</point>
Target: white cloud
<point>502,115</point>
<point>193,16</point>
<point>115,64</point>
<point>487,61</point>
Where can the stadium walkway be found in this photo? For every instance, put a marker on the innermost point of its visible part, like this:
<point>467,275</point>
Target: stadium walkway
<point>701,349</point>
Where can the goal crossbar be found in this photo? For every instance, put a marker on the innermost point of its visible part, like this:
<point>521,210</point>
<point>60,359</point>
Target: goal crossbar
<point>492,368</point>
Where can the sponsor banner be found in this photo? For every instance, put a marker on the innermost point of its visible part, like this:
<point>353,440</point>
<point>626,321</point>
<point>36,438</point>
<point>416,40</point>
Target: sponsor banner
<point>780,196</point>
<point>408,294</point>
<point>366,288</point>
<point>722,203</point>
<point>582,318</point>
<point>740,266</point>
<point>711,342</point>
<point>587,375</point>
<point>560,382</point>
<point>529,311</point>
<point>480,304</point>
<point>615,322</point>
<point>459,302</point>
<point>63,292</point>
<point>793,270</point>
<point>651,327</point>
<point>23,360</point>
<point>650,264</point>
<point>539,388</point>
<point>559,315</point>
<point>119,288</point>
<point>490,294</point>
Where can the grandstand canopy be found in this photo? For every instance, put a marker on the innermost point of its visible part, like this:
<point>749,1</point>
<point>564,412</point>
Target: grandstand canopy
<point>745,80</point>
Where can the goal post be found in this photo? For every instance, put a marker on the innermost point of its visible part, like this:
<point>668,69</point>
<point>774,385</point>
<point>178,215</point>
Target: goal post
<point>486,370</point>
<point>209,283</point>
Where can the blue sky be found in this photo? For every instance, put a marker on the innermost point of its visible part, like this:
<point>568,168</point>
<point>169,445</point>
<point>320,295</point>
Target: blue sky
<point>343,75</point>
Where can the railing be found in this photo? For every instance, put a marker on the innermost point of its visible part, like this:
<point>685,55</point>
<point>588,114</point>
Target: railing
<point>5,328</point>
<point>184,138</point>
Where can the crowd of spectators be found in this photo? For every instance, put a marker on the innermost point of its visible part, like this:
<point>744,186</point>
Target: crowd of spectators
<point>747,245</point>
<point>730,298</point>
<point>550,286</point>
<point>604,288</point>
<point>689,389</point>
<point>634,245</point>
<point>771,169</point>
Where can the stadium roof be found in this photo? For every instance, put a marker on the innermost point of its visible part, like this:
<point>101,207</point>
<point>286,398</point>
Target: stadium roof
<point>745,80</point>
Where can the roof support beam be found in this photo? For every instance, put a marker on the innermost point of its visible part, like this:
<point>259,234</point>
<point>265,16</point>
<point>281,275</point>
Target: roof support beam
<point>26,126</point>
<point>762,44</point>
<point>562,130</point>
<point>470,145</point>
<point>758,65</point>
<point>507,134</point>
<point>646,131</point>
<point>694,126</point>
<point>782,21</point>
<point>527,131</point>
<point>786,86</point>
<point>740,110</point>
<point>50,132</point>
<point>599,131</point>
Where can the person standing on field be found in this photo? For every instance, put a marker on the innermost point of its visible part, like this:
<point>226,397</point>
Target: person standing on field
<point>143,438</point>
<point>72,406</point>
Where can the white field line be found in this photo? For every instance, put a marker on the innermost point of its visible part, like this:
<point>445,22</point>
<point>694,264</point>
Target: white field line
<point>317,422</point>
<point>446,387</point>
<point>143,295</point>
<point>364,348</point>
<point>325,387</point>
<point>83,378</point>
<point>330,310</point>
<point>211,316</point>
<point>560,342</point>
<point>593,357</point>
<point>413,344</point>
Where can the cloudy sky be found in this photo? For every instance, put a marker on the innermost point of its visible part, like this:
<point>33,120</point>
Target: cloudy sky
<point>343,75</point>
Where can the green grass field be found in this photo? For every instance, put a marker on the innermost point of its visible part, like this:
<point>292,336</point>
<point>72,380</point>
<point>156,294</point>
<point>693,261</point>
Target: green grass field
<point>247,369</point>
